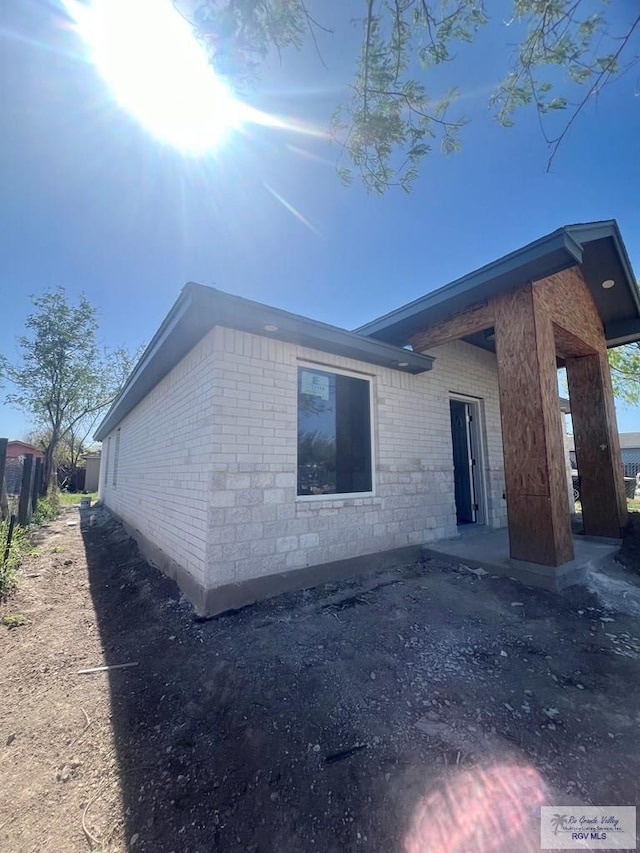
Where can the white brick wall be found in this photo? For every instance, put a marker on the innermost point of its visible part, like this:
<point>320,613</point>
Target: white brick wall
<point>165,461</point>
<point>207,461</point>
<point>258,526</point>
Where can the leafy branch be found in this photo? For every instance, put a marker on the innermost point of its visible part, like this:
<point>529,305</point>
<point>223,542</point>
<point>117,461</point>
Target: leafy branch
<point>566,52</point>
<point>561,35</point>
<point>624,362</point>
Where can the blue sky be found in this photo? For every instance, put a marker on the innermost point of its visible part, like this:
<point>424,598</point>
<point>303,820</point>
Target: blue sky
<point>95,203</point>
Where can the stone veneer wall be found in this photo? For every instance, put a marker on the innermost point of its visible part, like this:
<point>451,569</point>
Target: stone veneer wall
<point>205,465</point>
<point>257,524</point>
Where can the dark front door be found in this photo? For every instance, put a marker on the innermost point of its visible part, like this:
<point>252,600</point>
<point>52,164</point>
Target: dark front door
<point>463,462</point>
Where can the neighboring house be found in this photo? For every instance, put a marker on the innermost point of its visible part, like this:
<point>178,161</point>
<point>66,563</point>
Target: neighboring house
<point>630,457</point>
<point>630,450</point>
<point>565,408</point>
<point>92,471</point>
<point>253,450</point>
<point>15,449</point>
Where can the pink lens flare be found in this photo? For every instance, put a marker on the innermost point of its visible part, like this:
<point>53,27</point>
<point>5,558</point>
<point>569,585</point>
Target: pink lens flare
<point>480,810</point>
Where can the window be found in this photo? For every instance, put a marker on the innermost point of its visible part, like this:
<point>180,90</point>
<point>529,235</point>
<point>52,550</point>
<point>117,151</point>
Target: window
<point>334,433</point>
<point>115,459</point>
<point>106,464</point>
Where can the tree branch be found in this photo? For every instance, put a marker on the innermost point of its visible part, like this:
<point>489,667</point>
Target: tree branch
<point>311,23</point>
<point>602,76</point>
<point>367,45</point>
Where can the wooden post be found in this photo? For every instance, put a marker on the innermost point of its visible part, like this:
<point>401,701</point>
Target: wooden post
<point>24,502</point>
<point>42,482</point>
<point>35,488</point>
<point>604,505</point>
<point>7,547</point>
<point>537,505</point>
<point>4,504</point>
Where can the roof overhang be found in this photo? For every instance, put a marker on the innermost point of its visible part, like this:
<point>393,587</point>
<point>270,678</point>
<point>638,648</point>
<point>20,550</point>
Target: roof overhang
<point>199,308</point>
<point>630,441</point>
<point>596,247</point>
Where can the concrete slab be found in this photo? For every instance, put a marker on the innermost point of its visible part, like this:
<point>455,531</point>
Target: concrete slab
<point>484,548</point>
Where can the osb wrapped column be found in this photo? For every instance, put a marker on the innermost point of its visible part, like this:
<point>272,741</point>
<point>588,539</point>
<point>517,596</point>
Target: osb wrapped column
<point>579,337</point>
<point>604,505</point>
<point>537,505</point>
<point>534,323</point>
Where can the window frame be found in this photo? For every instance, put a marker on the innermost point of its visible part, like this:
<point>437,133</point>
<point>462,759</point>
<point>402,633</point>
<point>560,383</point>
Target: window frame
<point>106,463</point>
<point>353,374</point>
<point>116,459</point>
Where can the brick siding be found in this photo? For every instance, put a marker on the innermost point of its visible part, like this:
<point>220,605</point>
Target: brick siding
<point>164,462</point>
<point>207,461</point>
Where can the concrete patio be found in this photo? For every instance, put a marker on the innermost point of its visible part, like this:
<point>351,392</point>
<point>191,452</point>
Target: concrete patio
<point>484,548</point>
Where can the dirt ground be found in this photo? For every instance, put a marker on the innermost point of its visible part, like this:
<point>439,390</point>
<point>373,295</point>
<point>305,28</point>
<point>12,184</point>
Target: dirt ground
<point>431,708</point>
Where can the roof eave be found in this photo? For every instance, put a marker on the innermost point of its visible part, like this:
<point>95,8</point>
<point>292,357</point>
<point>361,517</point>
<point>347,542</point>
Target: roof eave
<point>176,314</point>
<point>621,332</point>
<point>249,316</point>
<point>507,267</point>
<point>557,251</point>
<point>200,308</point>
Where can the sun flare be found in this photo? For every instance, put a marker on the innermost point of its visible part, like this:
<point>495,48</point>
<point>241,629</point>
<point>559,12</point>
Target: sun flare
<point>157,71</point>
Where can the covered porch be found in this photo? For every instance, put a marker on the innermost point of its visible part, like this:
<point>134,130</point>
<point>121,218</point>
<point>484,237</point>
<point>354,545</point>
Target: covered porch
<point>487,549</point>
<point>558,302</point>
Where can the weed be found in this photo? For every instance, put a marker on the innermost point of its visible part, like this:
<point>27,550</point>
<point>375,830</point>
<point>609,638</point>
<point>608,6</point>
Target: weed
<point>47,509</point>
<point>14,620</point>
<point>19,546</point>
<point>58,549</point>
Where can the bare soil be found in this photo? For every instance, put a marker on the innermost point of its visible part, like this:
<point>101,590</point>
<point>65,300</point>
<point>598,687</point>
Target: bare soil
<point>431,708</point>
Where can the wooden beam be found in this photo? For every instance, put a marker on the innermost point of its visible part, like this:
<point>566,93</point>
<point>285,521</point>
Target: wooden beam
<point>532,434</point>
<point>579,335</point>
<point>568,345</point>
<point>567,299</point>
<point>468,322</point>
<point>604,505</point>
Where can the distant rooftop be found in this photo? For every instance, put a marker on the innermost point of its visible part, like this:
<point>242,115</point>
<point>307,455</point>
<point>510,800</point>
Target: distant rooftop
<point>628,441</point>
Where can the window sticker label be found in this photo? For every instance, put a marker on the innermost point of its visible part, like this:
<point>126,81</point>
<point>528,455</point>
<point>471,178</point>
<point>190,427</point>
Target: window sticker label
<point>315,385</point>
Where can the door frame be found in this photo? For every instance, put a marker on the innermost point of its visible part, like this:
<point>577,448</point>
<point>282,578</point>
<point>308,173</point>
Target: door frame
<point>476,430</point>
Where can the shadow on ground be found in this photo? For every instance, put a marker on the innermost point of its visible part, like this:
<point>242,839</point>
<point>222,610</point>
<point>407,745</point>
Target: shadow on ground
<point>429,708</point>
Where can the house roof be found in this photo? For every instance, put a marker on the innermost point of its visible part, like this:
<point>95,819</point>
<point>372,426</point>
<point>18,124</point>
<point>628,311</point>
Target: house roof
<point>628,441</point>
<point>198,309</point>
<point>596,246</point>
<point>11,445</point>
